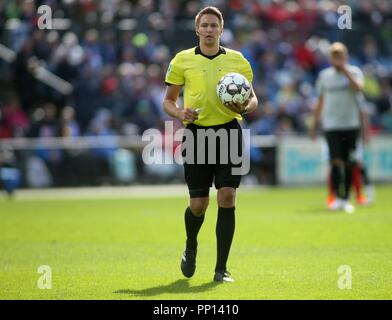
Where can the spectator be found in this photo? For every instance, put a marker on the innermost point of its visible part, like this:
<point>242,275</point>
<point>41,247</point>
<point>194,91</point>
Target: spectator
<point>14,122</point>
<point>47,126</point>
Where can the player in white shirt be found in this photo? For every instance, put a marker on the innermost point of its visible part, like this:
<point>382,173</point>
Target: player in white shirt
<point>339,108</point>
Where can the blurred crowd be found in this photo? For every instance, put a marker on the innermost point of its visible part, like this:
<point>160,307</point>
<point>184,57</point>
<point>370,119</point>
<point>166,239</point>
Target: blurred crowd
<point>115,54</point>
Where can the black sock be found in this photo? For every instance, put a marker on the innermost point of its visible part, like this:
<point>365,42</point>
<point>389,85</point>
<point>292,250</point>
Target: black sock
<point>348,168</point>
<point>225,226</point>
<point>336,179</point>
<point>192,225</point>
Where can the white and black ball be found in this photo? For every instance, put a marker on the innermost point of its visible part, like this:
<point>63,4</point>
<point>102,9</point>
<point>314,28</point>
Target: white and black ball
<point>233,87</point>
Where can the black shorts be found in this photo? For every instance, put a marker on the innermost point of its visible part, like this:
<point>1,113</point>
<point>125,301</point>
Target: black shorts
<point>342,144</point>
<point>199,174</point>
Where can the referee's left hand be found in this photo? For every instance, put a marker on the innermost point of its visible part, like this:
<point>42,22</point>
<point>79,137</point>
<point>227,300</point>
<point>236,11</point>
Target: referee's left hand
<point>236,107</point>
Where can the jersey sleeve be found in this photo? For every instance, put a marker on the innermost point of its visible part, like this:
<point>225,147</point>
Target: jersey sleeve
<point>175,72</point>
<point>246,69</point>
<point>358,75</point>
<point>359,96</point>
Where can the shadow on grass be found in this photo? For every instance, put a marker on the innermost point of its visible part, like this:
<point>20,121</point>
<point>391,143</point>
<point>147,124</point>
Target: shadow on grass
<point>179,286</point>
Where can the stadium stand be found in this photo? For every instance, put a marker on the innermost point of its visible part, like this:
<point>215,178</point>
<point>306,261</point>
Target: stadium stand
<point>106,61</point>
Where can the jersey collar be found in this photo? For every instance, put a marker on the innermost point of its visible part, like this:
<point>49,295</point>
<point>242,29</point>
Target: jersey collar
<point>221,51</point>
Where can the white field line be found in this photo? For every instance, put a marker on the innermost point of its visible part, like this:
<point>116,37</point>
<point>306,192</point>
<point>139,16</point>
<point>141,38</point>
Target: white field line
<point>110,192</point>
<point>102,192</point>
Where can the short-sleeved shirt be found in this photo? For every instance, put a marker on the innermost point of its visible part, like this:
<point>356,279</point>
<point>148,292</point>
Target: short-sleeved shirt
<point>199,75</point>
<point>341,109</point>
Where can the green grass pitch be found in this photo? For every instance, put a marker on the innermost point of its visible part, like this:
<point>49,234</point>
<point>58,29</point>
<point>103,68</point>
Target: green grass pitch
<point>286,246</point>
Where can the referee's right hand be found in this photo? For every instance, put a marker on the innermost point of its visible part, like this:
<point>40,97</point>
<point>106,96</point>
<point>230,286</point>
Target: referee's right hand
<point>188,115</point>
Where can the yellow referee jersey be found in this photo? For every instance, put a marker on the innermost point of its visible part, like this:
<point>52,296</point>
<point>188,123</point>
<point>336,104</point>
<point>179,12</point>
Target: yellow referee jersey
<point>200,74</point>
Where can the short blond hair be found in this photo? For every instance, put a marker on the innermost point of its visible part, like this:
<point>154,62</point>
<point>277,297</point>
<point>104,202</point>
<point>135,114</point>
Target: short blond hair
<point>209,10</point>
<point>338,47</point>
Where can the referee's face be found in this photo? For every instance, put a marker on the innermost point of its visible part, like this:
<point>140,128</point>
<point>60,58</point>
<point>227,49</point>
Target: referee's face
<point>209,30</point>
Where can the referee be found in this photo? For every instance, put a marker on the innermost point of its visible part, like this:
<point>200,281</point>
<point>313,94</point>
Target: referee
<point>198,71</point>
<point>340,108</point>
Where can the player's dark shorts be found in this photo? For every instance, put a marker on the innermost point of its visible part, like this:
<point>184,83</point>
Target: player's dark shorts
<point>200,176</point>
<point>342,144</point>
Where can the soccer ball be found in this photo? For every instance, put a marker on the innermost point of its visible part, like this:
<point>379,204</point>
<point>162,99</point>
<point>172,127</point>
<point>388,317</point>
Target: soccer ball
<point>233,87</point>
